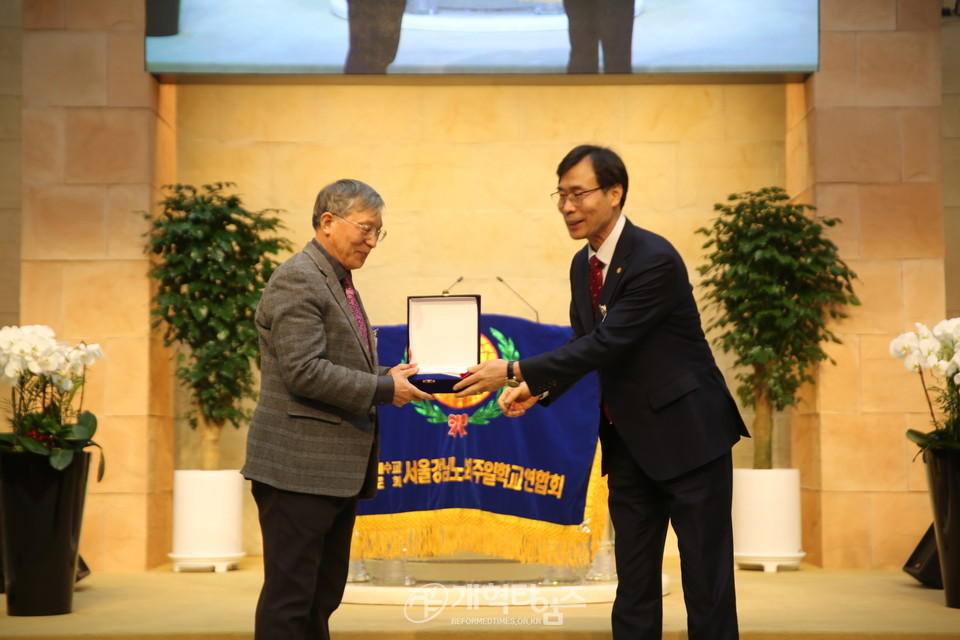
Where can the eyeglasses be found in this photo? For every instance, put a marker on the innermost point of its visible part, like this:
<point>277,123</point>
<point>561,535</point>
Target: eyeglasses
<point>368,232</point>
<point>575,198</point>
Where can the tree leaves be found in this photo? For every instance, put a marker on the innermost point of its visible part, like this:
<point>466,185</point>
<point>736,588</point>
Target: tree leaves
<point>214,259</point>
<point>774,279</point>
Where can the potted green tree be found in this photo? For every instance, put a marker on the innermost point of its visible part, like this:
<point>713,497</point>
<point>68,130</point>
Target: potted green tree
<point>937,352</point>
<point>213,258</point>
<point>775,281</point>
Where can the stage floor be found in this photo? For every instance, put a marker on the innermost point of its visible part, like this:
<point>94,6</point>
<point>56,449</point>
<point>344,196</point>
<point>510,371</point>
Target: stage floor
<point>809,603</point>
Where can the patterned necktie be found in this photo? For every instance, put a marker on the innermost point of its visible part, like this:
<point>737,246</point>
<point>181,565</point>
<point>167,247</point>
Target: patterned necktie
<point>596,280</point>
<point>596,285</point>
<point>351,293</point>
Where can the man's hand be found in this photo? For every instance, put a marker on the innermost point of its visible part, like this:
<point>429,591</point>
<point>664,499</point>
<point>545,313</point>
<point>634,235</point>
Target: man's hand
<point>515,402</point>
<point>403,366</point>
<point>403,389</point>
<point>489,375</point>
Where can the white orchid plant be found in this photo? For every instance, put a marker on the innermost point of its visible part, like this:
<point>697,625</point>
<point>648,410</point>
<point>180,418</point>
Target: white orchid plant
<point>937,352</point>
<point>46,379</point>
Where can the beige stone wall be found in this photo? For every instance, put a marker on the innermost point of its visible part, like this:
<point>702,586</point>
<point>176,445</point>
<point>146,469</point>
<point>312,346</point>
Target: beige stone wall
<point>466,169</point>
<point>950,56</point>
<point>95,140</point>
<point>11,150</point>
<point>864,145</point>
<point>10,153</point>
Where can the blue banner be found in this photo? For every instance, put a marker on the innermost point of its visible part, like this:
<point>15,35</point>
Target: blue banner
<point>462,453</point>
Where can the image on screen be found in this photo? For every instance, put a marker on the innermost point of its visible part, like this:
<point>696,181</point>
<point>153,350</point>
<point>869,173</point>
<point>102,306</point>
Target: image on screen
<point>397,37</point>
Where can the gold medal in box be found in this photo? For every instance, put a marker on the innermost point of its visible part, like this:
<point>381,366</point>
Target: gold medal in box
<point>443,338</point>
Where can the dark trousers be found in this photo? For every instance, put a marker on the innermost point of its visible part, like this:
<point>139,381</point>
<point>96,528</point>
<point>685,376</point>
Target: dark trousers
<point>306,557</point>
<point>374,34</point>
<point>698,505</point>
<point>596,23</point>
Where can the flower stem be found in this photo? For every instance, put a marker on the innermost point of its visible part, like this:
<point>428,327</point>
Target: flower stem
<point>83,379</point>
<point>926,394</point>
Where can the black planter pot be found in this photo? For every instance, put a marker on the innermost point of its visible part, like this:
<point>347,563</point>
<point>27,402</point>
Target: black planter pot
<point>943,475</point>
<point>3,588</point>
<point>41,510</point>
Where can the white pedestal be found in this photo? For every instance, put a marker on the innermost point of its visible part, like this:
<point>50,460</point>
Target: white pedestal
<point>766,518</point>
<point>207,520</point>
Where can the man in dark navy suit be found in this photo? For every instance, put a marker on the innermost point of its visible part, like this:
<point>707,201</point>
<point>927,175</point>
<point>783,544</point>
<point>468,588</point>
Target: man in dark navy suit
<point>667,419</point>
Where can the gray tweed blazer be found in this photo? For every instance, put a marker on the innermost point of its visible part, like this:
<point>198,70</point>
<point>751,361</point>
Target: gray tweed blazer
<point>315,426</point>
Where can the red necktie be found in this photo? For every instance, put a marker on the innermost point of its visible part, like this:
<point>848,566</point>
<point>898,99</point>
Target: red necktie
<point>596,280</point>
<point>596,285</point>
<point>355,306</point>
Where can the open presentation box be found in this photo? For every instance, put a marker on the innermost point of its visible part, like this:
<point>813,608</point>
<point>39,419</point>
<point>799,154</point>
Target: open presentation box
<point>443,338</point>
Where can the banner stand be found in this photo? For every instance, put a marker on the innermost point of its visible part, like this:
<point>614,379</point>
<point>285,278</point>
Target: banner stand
<point>478,510</point>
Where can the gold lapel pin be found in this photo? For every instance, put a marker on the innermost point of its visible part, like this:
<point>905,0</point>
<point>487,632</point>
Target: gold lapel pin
<point>619,269</point>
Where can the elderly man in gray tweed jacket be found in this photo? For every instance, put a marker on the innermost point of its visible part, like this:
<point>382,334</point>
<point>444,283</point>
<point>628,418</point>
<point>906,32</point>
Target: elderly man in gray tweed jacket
<point>312,450</point>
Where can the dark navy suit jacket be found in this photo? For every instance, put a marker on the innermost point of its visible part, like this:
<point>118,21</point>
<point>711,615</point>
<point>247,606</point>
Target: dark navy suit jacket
<point>667,398</point>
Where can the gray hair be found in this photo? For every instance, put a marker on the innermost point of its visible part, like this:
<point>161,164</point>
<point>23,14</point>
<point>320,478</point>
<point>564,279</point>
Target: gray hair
<point>344,197</point>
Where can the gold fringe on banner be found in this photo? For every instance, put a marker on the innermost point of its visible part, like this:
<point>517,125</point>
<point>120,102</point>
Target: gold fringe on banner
<point>425,534</point>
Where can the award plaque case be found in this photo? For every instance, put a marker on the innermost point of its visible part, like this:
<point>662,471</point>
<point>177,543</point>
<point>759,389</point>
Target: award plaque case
<point>443,338</point>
